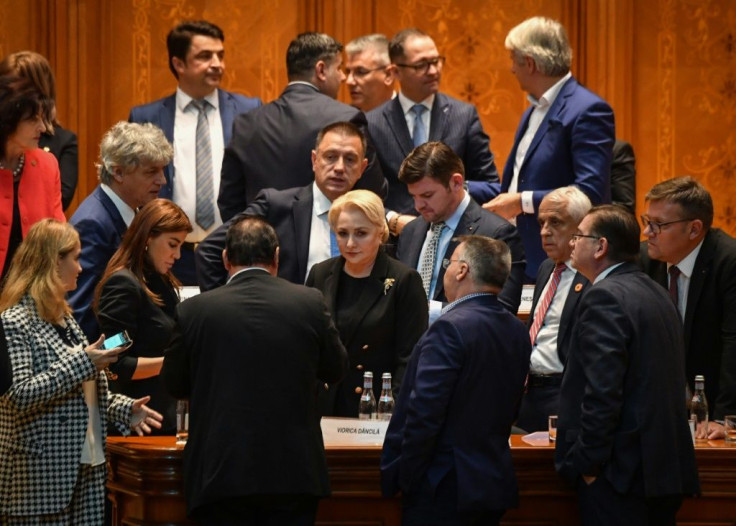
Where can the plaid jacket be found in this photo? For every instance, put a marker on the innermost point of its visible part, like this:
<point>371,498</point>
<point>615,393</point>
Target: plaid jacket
<point>43,416</point>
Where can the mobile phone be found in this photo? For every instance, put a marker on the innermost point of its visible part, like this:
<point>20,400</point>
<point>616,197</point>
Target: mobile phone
<point>121,339</point>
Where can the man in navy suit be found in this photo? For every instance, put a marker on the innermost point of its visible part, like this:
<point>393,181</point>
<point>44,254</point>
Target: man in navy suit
<point>681,240</point>
<point>556,296</point>
<point>299,215</point>
<point>396,130</point>
<point>271,145</point>
<point>453,467</point>
<point>565,137</point>
<point>434,176</point>
<point>197,60</point>
<point>131,172</point>
<point>623,438</point>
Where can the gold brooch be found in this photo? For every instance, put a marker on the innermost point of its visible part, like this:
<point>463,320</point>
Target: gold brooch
<point>387,284</point>
<point>578,287</point>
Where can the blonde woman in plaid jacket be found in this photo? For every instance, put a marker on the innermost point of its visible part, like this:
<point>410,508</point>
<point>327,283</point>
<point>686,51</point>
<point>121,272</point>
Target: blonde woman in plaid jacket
<point>54,416</point>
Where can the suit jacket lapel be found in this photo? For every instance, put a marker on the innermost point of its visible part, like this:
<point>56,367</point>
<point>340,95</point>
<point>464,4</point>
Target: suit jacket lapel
<point>697,281</point>
<point>396,122</point>
<point>302,224</point>
<point>227,114</point>
<point>438,120</point>
<point>166,116</point>
<point>579,284</point>
<point>117,219</point>
<point>467,225</point>
<point>412,248</point>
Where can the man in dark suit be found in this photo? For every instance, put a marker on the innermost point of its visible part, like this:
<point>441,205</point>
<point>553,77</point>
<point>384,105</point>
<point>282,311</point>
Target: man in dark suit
<point>564,138</point>
<point>271,146</point>
<point>434,176</point>
<point>623,176</point>
<point>396,131</point>
<point>255,453</point>
<point>622,434</point>
<point>556,296</point>
<point>299,215</point>
<point>131,172</point>
<point>197,60</point>
<point>453,467</point>
<point>682,242</point>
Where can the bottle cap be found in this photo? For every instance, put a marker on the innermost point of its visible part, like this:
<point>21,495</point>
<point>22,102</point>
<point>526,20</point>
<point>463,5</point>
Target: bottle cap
<point>386,376</point>
<point>700,378</point>
<point>368,374</point>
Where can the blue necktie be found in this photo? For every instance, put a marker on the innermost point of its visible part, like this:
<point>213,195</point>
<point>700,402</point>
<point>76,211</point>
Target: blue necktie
<point>334,249</point>
<point>420,133</point>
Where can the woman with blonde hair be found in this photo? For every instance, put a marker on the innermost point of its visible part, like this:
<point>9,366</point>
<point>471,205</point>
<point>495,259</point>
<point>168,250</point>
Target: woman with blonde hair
<point>378,304</point>
<point>54,416</point>
<point>138,294</point>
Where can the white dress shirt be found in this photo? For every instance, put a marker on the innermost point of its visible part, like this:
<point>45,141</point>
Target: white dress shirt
<point>686,266</point>
<point>319,231</point>
<point>126,212</point>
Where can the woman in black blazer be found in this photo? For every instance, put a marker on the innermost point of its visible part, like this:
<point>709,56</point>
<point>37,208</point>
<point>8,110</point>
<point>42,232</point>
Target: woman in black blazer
<point>378,303</point>
<point>138,293</point>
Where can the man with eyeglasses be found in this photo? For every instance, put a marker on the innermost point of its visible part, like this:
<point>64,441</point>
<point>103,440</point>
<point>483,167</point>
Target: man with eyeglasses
<point>565,137</point>
<point>623,439</point>
<point>452,466</point>
<point>697,264</point>
<point>272,145</point>
<point>368,72</point>
<point>556,297</point>
<point>434,178</point>
<point>420,113</point>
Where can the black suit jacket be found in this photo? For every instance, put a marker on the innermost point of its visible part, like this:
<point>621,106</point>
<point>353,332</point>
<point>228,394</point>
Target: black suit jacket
<point>475,221</point>
<point>380,336</point>
<point>710,319</point>
<point>453,122</point>
<point>623,176</point>
<point>272,147</point>
<point>248,356</point>
<point>289,212</point>
<point>622,407</point>
<point>63,145</point>
<point>125,306</point>
<point>579,285</point>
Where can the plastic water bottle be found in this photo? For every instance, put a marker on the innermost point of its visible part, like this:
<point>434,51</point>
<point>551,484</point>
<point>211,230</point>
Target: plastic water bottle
<point>699,410</point>
<point>367,407</point>
<point>386,401</point>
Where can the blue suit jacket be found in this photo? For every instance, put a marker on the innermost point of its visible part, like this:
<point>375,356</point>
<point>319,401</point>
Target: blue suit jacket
<point>472,361</point>
<point>454,123</point>
<point>101,230</point>
<point>573,145</point>
<point>163,111</point>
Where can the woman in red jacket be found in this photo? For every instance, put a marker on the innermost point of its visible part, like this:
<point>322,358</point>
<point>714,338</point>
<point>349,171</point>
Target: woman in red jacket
<point>30,185</point>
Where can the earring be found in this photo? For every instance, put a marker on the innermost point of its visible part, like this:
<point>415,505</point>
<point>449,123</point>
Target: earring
<point>146,248</point>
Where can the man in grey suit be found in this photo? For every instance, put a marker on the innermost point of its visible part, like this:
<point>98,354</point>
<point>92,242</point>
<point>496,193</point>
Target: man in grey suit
<point>558,289</point>
<point>396,129</point>
<point>271,146</point>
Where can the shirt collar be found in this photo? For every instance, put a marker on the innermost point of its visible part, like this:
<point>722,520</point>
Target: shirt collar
<point>126,212</point>
<point>320,203</point>
<point>454,219</point>
<point>246,270</point>
<point>455,303</point>
<point>183,100</point>
<point>304,82</point>
<point>407,103</point>
<point>603,275</point>
<point>687,264</point>
<point>549,96</point>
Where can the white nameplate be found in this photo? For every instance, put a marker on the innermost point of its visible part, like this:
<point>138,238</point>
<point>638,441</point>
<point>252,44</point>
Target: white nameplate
<point>353,432</point>
<point>527,295</point>
<point>188,291</point>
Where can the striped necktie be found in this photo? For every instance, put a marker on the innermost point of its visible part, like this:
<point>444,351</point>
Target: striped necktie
<point>205,211</point>
<point>546,302</point>
<point>420,133</point>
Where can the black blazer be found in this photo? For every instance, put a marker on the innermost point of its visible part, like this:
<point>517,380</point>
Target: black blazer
<point>629,422</point>
<point>272,147</point>
<point>289,212</point>
<point>391,318</point>
<point>579,285</point>
<point>475,221</point>
<point>710,319</point>
<point>63,145</point>
<point>124,305</point>
<point>248,356</point>
<point>623,176</point>
<point>453,122</point>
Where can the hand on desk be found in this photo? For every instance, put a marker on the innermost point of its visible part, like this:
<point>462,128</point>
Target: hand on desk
<point>716,431</point>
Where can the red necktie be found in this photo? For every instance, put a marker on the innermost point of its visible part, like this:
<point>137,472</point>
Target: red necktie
<point>546,302</point>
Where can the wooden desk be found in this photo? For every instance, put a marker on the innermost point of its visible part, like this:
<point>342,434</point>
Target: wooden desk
<point>146,486</point>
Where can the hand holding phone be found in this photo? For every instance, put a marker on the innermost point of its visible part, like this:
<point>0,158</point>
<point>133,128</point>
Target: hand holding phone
<point>120,339</point>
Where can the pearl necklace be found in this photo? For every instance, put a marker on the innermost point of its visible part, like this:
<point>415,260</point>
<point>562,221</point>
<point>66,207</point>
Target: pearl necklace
<point>18,169</point>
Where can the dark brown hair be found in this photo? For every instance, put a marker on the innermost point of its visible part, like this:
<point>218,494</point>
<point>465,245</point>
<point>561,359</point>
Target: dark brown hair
<point>431,159</point>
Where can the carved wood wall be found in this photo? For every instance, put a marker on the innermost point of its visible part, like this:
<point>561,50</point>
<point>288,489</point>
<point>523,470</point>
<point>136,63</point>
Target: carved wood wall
<point>668,67</point>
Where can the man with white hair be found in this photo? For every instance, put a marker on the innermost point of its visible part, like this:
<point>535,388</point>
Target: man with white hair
<point>565,137</point>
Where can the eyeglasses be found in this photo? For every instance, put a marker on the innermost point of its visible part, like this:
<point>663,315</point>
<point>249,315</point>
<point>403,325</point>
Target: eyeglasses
<point>359,73</point>
<point>446,262</point>
<point>575,237</point>
<point>420,68</point>
<point>655,226</point>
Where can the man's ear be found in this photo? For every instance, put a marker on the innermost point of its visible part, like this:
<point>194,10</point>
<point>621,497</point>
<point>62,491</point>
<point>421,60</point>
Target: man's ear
<point>225,260</point>
<point>602,250</point>
<point>696,228</point>
<point>319,70</point>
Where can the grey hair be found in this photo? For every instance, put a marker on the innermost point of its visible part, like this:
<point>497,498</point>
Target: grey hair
<point>578,204</point>
<point>545,41</point>
<point>127,145</point>
<point>375,41</point>
<point>489,260</point>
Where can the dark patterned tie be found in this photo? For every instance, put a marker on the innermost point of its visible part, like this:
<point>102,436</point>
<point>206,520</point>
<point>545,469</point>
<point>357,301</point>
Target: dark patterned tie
<point>205,211</point>
<point>430,256</point>
<point>674,273</point>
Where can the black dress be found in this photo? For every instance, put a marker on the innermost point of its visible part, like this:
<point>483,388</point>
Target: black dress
<point>63,145</point>
<point>124,305</point>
